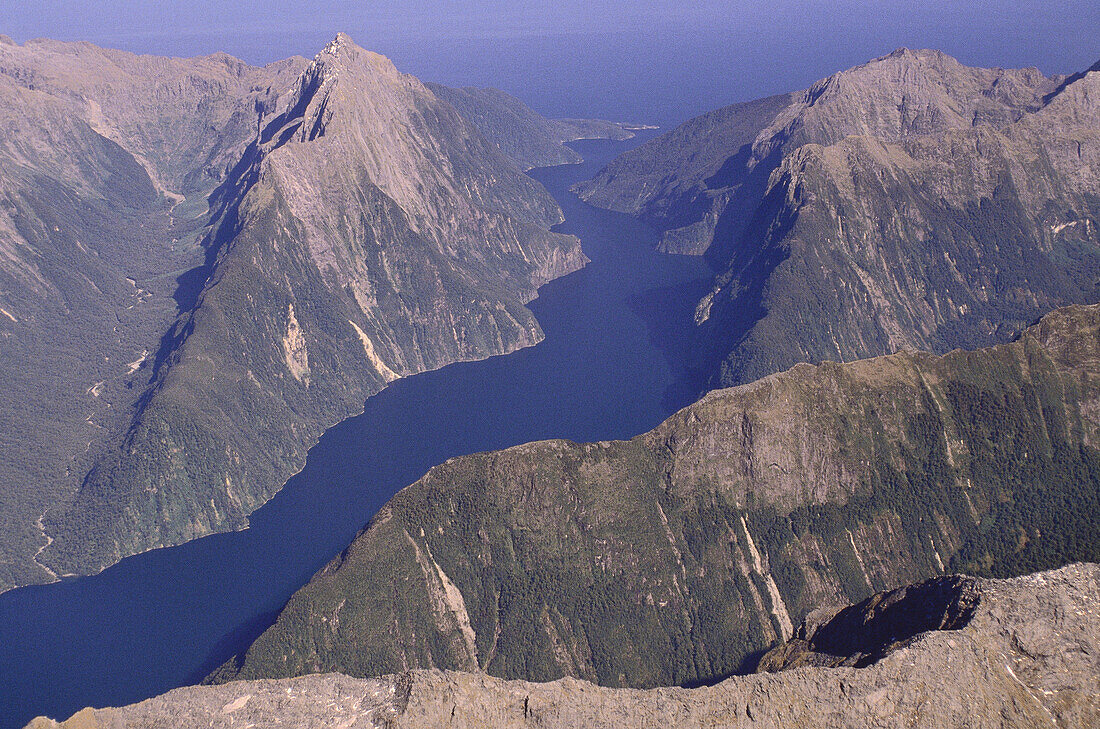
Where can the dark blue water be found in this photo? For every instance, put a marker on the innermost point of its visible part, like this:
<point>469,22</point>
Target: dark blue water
<point>609,368</point>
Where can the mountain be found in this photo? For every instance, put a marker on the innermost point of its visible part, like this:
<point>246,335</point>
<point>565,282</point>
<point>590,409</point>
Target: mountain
<point>206,264</point>
<point>675,557</point>
<point>911,202</point>
<point>952,652</point>
<point>521,133</point>
<point>105,165</point>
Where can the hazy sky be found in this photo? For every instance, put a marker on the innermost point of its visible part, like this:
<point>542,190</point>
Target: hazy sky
<point>645,60</point>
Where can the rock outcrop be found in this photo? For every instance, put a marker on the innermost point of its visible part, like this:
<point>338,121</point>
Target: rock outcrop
<point>1023,652</point>
<point>911,202</point>
<point>677,556</point>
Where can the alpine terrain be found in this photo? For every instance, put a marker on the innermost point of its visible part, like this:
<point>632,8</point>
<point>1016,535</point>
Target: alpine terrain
<point>206,264</point>
<point>908,203</point>
<point>676,557</point>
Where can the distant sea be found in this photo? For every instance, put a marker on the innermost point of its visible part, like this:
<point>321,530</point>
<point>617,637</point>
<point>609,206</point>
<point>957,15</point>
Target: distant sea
<point>665,75</point>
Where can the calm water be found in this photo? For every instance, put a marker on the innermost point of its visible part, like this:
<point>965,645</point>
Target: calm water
<point>609,368</point>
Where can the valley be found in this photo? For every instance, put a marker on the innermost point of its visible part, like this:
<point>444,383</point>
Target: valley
<point>185,610</point>
<point>212,262</point>
<point>325,381</point>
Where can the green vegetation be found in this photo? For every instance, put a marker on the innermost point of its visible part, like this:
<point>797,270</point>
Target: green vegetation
<point>654,561</point>
<point>184,315</point>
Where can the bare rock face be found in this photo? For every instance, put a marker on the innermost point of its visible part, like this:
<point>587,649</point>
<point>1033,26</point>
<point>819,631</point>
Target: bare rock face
<point>1023,652</point>
<point>676,557</point>
<point>211,263</point>
<point>908,203</point>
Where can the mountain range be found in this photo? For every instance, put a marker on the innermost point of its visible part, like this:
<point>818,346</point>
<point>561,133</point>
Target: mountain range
<point>206,264</point>
<point>908,203</point>
<point>676,557</point>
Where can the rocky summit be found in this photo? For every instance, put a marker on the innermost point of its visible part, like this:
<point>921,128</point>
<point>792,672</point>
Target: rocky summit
<point>952,652</point>
<point>210,263</point>
<point>911,202</point>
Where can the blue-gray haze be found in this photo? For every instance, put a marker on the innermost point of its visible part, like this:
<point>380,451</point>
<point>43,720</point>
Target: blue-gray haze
<point>646,60</point>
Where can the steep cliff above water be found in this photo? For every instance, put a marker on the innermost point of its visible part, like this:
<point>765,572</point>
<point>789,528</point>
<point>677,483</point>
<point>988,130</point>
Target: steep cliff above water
<point>911,202</point>
<point>675,557</point>
<point>1023,652</point>
<point>211,263</point>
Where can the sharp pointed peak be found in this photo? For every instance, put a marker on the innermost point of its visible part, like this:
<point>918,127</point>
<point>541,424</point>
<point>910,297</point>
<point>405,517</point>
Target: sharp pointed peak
<point>346,52</point>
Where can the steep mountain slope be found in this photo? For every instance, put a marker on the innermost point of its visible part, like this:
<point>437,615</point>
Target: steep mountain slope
<point>911,202</point>
<point>519,132</point>
<point>210,263</point>
<point>369,232</point>
<point>952,652</point>
<point>674,557</point>
<point>105,164</point>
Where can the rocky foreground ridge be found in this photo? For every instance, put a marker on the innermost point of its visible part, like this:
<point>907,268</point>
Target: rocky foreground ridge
<point>674,557</point>
<point>950,652</point>
<point>910,202</point>
<point>205,264</point>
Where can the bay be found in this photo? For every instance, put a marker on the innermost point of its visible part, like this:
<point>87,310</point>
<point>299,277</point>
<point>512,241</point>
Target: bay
<point>611,366</point>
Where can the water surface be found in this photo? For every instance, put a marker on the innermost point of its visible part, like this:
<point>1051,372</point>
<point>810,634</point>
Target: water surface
<point>608,368</point>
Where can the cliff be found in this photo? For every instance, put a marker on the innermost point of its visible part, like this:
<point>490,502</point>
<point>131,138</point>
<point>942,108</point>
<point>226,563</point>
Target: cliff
<point>676,557</point>
<point>908,203</point>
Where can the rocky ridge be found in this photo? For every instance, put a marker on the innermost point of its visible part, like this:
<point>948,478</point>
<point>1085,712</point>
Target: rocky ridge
<point>677,556</point>
<point>1023,652</point>
<point>214,263</point>
<point>910,202</point>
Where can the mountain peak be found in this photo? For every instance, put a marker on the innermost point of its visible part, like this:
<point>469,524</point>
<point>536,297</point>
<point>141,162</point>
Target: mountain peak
<point>920,53</point>
<point>345,52</point>
<point>912,57</point>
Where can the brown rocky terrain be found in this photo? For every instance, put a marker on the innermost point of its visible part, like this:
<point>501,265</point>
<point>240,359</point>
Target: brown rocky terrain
<point>953,652</point>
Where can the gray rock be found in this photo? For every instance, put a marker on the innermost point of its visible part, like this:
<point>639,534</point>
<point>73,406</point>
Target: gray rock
<point>1028,655</point>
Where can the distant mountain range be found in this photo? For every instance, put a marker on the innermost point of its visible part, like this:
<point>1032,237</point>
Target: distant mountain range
<point>952,652</point>
<point>206,264</point>
<point>908,203</point>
